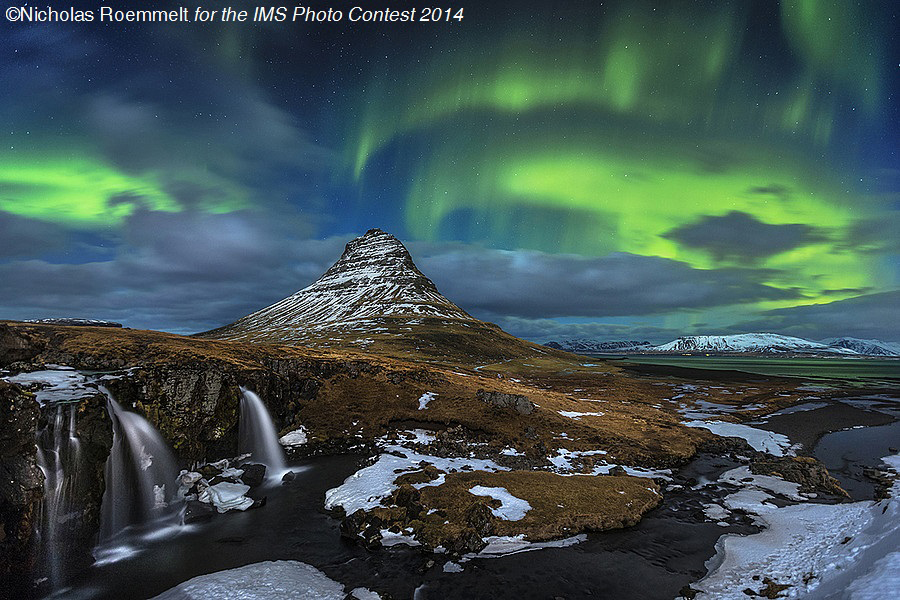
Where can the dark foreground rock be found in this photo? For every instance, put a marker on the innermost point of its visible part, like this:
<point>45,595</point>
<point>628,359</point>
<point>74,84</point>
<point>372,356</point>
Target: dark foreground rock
<point>20,481</point>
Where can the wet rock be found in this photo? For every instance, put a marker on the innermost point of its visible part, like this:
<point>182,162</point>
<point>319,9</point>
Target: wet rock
<point>618,470</point>
<point>520,403</point>
<point>289,476</point>
<point>883,480</point>
<point>467,541</point>
<point>20,481</point>
<point>254,474</point>
<point>480,518</point>
<point>406,496</point>
<point>18,346</point>
<point>208,471</point>
<point>197,512</point>
<point>371,537</point>
<point>812,475</point>
<point>352,524</point>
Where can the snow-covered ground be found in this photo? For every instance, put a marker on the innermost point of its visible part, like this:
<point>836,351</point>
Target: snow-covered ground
<point>820,551</point>
<point>261,581</point>
<point>511,508</point>
<point>59,385</point>
<point>761,440</point>
<point>564,464</point>
<point>366,488</point>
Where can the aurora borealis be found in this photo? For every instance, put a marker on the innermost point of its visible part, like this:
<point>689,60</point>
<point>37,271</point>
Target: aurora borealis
<point>671,167</point>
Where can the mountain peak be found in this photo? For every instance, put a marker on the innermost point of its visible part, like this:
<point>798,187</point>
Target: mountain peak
<point>374,279</point>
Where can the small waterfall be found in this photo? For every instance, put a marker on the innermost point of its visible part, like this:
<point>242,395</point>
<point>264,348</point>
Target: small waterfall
<point>257,435</point>
<point>140,473</point>
<point>59,458</point>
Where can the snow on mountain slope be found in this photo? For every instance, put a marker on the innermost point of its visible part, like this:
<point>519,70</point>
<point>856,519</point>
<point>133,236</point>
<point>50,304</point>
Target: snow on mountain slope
<point>867,347</point>
<point>748,342</point>
<point>582,346</point>
<point>375,279</point>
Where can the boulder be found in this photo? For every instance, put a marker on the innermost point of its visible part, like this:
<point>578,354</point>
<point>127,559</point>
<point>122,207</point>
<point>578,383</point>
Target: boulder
<point>254,474</point>
<point>520,403</point>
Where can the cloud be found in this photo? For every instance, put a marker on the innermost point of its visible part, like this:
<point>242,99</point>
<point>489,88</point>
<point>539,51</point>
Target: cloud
<point>871,236</point>
<point>533,284</point>
<point>28,237</point>
<point>182,272</point>
<point>545,330</point>
<point>742,237</point>
<point>869,316</point>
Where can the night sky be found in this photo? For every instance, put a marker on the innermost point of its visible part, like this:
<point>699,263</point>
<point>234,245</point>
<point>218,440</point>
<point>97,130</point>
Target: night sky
<point>616,170</point>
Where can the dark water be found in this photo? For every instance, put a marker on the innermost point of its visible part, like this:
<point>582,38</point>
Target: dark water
<point>655,559</point>
<point>666,551</point>
<point>845,435</point>
<point>853,369</point>
<point>846,453</point>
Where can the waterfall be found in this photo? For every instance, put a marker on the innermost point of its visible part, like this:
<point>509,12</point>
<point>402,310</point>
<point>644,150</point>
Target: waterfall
<point>59,458</point>
<point>257,435</point>
<point>140,473</point>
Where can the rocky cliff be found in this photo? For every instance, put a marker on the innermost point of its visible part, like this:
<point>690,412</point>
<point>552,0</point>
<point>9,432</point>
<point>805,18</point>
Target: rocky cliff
<point>20,482</point>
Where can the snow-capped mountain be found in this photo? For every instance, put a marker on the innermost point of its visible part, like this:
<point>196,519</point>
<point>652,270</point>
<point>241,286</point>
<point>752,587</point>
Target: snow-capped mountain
<point>375,298</point>
<point>763,343</point>
<point>585,346</point>
<point>374,278</point>
<point>866,347</point>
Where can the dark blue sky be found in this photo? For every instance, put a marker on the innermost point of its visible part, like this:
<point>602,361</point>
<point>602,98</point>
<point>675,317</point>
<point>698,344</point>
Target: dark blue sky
<point>625,170</point>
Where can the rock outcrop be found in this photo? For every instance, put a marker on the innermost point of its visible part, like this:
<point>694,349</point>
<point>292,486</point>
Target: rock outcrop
<point>20,482</point>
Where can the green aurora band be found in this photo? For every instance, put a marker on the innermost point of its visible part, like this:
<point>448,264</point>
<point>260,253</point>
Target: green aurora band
<point>606,137</point>
<point>86,192</point>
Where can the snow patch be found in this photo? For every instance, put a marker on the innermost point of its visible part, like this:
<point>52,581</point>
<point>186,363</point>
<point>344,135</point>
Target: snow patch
<point>260,581</point>
<point>501,545</point>
<point>775,444</point>
<point>511,508</point>
<point>578,415</point>
<point>425,399</point>
<point>366,488</point>
<point>297,437</point>
<point>59,385</point>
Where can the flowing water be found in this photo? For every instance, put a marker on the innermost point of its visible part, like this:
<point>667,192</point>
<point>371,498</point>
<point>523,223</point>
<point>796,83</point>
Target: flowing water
<point>59,458</point>
<point>258,437</point>
<point>654,559</point>
<point>140,474</point>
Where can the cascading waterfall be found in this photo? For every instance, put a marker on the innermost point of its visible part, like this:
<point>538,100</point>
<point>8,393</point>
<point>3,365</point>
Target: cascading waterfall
<point>59,458</point>
<point>258,437</point>
<point>140,474</point>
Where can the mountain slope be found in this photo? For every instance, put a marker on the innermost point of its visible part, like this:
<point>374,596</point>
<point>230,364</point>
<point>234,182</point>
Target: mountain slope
<point>582,346</point>
<point>375,298</point>
<point>866,347</point>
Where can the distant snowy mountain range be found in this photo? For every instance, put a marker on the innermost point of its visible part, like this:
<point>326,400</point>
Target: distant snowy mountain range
<point>749,343</point>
